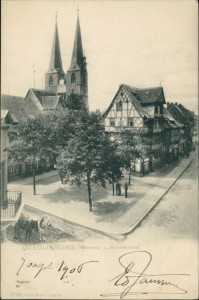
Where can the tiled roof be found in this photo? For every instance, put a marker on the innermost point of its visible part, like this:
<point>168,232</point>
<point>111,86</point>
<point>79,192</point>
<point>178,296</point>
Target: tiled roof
<point>185,111</point>
<point>170,121</point>
<point>42,93</point>
<point>50,102</point>
<point>141,97</point>
<point>137,103</point>
<point>148,95</point>
<point>15,105</point>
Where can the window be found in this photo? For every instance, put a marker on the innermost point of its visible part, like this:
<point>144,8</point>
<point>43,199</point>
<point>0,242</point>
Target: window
<point>130,122</point>
<point>112,122</point>
<point>156,110</point>
<point>73,78</point>
<point>119,106</point>
<point>51,80</point>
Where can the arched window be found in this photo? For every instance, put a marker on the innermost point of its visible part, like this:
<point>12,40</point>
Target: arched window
<point>73,78</point>
<point>51,80</point>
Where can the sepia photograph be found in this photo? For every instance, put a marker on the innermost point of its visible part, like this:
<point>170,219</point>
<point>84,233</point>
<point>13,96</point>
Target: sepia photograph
<point>99,149</point>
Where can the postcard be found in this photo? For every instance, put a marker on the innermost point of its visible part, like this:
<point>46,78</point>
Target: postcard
<point>99,150</point>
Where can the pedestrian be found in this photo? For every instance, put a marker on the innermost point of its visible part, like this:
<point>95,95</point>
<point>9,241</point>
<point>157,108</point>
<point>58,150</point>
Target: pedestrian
<point>126,189</point>
<point>118,189</point>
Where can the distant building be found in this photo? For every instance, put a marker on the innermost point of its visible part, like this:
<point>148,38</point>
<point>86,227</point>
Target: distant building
<point>133,108</point>
<point>186,118</point>
<point>10,200</point>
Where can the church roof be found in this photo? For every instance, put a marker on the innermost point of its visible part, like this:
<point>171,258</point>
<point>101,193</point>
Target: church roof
<point>50,102</point>
<point>55,59</point>
<point>41,93</point>
<point>77,55</point>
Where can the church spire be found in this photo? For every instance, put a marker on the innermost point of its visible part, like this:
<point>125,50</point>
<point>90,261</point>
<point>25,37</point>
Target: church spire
<point>77,56</point>
<point>55,60</point>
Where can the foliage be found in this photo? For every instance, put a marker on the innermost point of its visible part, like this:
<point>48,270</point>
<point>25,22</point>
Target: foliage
<point>86,157</point>
<point>74,102</point>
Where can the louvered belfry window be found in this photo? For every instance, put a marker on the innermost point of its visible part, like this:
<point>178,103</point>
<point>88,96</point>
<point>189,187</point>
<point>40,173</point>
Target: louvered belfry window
<point>51,80</point>
<point>73,78</point>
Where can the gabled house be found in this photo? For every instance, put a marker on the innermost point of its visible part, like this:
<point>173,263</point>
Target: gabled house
<point>186,118</point>
<point>133,108</point>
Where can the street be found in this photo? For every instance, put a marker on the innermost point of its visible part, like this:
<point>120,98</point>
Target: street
<point>176,216</point>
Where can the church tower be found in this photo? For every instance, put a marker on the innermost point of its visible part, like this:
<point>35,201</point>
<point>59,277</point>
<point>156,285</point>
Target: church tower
<point>76,77</point>
<point>55,72</point>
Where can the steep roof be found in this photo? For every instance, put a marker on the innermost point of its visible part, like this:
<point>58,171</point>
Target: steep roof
<point>148,95</point>
<point>170,121</point>
<point>55,59</point>
<point>77,55</point>
<point>50,102</point>
<point>140,100</point>
<point>41,93</point>
<point>15,105</point>
<point>186,111</point>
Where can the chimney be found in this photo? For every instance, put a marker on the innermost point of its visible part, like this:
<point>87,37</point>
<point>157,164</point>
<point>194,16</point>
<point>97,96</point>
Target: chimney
<point>176,103</point>
<point>168,104</point>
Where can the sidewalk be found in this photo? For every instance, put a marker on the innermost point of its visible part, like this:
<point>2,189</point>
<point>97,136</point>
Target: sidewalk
<point>114,215</point>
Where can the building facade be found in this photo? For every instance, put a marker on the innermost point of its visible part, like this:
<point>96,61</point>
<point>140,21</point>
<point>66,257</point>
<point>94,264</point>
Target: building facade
<point>143,109</point>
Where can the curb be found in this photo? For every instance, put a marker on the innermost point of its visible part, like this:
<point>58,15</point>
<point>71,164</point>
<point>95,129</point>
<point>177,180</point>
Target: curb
<point>138,223</point>
<point>110,235</point>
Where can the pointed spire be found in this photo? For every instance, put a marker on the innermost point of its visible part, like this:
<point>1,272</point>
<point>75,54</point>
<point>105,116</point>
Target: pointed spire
<point>77,56</point>
<point>55,60</point>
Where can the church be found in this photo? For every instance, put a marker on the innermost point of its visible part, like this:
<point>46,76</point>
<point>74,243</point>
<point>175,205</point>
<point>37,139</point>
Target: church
<point>58,84</point>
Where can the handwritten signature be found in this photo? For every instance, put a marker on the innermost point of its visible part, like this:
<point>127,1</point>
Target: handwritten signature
<point>134,266</point>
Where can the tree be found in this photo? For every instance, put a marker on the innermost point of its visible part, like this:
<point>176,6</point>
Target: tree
<point>133,144</point>
<point>85,157</point>
<point>74,102</point>
<point>29,146</point>
<point>113,164</point>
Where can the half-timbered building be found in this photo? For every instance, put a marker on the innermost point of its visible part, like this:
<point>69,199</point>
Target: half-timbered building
<point>136,109</point>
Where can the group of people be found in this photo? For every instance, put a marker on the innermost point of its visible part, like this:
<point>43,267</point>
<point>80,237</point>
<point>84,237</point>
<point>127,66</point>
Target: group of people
<point>118,189</point>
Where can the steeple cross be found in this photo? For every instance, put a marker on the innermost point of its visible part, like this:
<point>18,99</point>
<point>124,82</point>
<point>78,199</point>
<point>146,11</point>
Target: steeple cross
<point>56,15</point>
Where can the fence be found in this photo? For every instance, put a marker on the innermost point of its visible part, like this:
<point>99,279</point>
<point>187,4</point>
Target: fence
<point>10,204</point>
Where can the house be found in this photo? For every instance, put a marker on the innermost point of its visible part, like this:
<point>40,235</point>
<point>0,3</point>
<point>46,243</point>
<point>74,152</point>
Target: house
<point>134,108</point>
<point>186,118</point>
<point>10,200</point>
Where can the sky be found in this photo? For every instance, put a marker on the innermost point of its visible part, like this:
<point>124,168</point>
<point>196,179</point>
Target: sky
<point>139,43</point>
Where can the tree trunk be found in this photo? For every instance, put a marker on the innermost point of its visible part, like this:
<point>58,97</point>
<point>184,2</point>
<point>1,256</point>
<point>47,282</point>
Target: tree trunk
<point>33,176</point>
<point>34,185</point>
<point>130,176</point>
<point>89,192</point>
<point>113,186</point>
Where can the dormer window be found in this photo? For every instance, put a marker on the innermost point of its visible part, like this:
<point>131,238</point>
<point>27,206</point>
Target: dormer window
<point>73,78</point>
<point>51,80</point>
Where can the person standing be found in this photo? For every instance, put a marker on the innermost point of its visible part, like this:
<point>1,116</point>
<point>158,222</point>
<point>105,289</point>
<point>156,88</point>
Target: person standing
<point>126,189</point>
<point>118,189</point>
